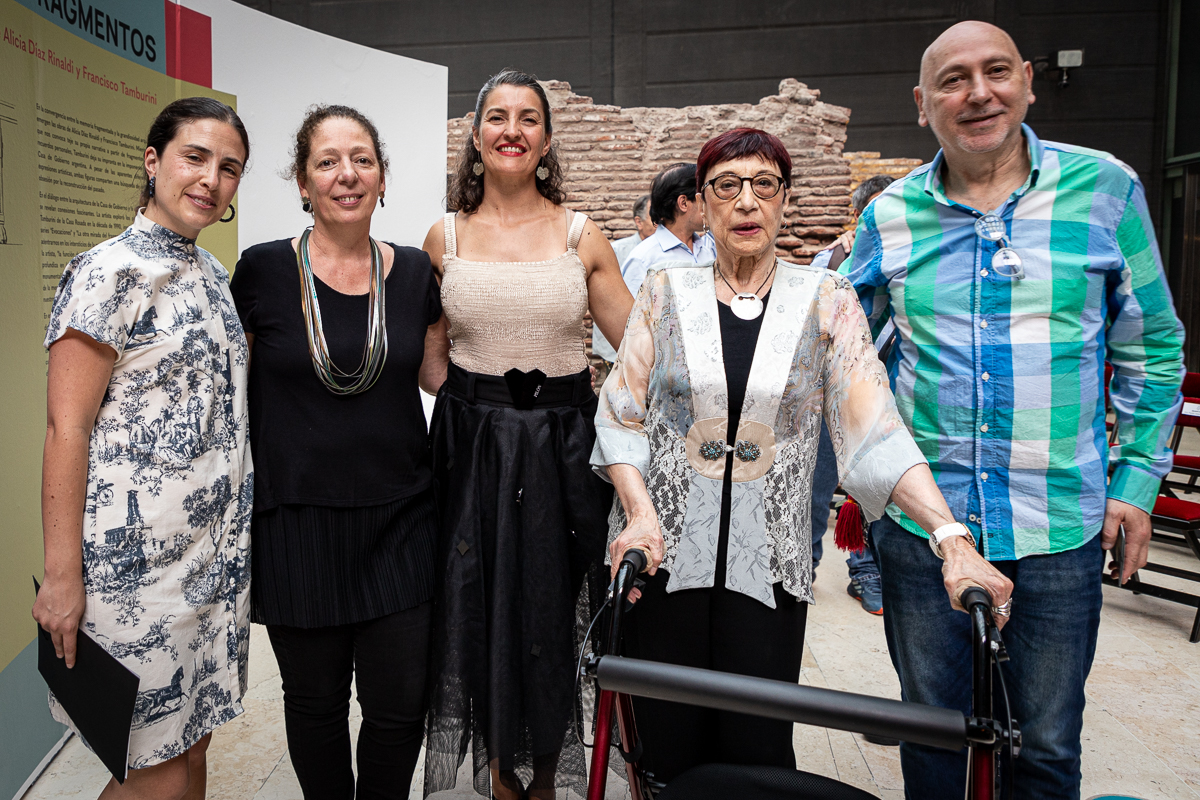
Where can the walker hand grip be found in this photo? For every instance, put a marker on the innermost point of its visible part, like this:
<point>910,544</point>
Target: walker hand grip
<point>974,596</point>
<point>635,558</point>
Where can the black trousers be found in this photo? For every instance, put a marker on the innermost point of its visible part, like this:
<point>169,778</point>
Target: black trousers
<point>387,657</point>
<point>721,630</point>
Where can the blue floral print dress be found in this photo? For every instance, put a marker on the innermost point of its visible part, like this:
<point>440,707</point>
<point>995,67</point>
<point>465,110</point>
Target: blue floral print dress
<point>166,524</point>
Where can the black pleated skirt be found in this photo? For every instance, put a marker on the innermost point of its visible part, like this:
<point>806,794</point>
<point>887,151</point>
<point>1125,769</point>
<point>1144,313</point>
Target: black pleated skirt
<point>523,522</point>
<point>315,566</point>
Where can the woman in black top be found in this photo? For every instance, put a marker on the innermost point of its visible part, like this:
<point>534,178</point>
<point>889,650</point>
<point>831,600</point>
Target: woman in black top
<point>344,523</point>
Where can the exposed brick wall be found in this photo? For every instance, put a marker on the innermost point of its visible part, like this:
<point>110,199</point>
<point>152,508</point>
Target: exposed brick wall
<point>865,165</point>
<point>611,154</point>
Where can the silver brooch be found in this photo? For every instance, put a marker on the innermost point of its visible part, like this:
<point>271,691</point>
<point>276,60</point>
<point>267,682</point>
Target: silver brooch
<point>746,451</point>
<point>713,450</point>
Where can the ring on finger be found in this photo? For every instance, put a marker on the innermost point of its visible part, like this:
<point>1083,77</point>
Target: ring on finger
<point>1004,609</point>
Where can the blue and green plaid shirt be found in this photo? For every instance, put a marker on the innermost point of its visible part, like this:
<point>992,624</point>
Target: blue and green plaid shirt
<point>1001,381</point>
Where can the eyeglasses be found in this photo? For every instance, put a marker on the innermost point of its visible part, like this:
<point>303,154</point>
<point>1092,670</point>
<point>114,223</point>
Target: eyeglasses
<point>727,186</point>
<point>1006,262</point>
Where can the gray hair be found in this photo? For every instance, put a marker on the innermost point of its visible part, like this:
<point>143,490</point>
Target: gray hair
<point>639,208</point>
<point>868,189</point>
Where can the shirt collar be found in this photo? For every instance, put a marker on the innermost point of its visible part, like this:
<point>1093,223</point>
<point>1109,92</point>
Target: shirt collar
<point>933,178</point>
<point>667,240</point>
<point>167,238</point>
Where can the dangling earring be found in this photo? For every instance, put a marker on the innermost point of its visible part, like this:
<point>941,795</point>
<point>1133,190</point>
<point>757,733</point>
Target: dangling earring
<point>477,168</point>
<point>381,199</point>
<point>543,172</point>
<point>151,192</point>
<point>232,214</point>
<point>305,205</point>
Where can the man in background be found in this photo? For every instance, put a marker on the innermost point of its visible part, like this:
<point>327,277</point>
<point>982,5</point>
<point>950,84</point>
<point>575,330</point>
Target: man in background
<point>679,235</point>
<point>604,354</point>
<point>865,585</point>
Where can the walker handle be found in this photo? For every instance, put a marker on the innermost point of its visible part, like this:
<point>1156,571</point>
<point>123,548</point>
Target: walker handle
<point>636,558</point>
<point>974,596</point>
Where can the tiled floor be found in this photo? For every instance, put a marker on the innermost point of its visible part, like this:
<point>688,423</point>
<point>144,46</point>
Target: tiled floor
<point>1141,731</point>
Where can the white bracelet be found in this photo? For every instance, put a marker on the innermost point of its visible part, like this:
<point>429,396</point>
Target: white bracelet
<point>947,531</point>
<point>950,529</point>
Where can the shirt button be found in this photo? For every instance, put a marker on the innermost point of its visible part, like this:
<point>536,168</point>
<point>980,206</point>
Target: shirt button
<point>983,475</point>
<point>983,324</point>
<point>985,376</point>
<point>983,272</point>
<point>983,427</point>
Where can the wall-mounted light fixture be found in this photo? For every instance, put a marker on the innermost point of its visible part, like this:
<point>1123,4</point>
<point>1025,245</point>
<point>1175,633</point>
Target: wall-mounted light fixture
<point>1060,64</point>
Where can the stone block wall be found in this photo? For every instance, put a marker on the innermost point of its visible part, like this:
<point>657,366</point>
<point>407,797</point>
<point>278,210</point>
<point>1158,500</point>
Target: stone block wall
<point>611,154</point>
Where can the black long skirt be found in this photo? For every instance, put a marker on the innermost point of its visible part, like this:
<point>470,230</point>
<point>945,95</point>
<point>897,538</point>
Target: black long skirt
<point>524,520</point>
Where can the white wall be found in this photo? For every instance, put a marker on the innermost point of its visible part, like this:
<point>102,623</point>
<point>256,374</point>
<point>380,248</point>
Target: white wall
<point>278,69</point>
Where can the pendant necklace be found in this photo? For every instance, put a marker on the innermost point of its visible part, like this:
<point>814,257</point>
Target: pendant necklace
<point>747,305</point>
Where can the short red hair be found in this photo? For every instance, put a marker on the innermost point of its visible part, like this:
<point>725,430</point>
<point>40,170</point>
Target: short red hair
<point>741,143</point>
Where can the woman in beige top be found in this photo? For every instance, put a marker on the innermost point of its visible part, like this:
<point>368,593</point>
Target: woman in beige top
<point>523,516</point>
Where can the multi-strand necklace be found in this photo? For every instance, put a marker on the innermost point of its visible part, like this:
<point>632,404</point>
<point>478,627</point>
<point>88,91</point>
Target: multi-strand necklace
<point>376,348</point>
<point>746,305</point>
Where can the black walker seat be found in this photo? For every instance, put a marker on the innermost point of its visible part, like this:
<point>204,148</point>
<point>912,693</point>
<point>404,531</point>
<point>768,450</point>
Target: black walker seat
<point>728,781</point>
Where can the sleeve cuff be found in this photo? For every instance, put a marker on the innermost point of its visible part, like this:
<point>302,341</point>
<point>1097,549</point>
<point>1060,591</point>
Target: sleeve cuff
<point>1134,486</point>
<point>878,471</point>
<point>620,447</point>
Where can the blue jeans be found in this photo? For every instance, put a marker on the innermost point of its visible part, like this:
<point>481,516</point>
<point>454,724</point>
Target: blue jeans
<point>825,481</point>
<point>1051,640</point>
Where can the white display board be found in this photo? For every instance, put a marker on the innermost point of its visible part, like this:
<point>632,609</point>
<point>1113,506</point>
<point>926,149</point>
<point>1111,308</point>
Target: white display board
<point>277,70</point>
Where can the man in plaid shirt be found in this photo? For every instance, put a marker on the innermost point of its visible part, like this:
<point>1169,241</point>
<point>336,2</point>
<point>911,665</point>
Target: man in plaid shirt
<point>1013,268</point>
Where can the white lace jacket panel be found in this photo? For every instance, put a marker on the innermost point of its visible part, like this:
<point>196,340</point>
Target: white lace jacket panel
<point>646,409</point>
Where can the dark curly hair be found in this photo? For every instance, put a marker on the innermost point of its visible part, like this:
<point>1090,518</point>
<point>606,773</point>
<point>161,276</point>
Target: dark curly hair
<point>181,112</point>
<point>465,190</point>
<point>302,149</point>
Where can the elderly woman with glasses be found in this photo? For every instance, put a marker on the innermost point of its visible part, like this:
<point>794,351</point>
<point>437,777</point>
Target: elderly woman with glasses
<point>708,429</point>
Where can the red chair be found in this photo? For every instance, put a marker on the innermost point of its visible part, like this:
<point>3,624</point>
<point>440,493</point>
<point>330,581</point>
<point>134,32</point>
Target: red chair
<point>1189,417</point>
<point>1177,522</point>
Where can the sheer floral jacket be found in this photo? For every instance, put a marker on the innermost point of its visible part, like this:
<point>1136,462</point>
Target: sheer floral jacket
<point>664,409</point>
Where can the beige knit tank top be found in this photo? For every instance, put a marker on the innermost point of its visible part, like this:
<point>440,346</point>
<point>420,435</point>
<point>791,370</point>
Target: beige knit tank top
<point>523,314</point>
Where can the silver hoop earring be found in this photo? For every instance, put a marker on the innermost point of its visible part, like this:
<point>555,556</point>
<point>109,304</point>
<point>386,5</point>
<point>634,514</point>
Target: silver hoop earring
<point>477,168</point>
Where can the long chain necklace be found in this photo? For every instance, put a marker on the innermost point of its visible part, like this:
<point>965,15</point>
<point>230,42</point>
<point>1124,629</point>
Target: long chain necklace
<point>376,347</point>
<point>747,305</point>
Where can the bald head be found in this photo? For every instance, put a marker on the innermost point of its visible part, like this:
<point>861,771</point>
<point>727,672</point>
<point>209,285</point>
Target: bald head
<point>974,90</point>
<point>965,37</point>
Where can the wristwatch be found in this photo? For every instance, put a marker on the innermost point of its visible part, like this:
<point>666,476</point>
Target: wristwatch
<point>945,532</point>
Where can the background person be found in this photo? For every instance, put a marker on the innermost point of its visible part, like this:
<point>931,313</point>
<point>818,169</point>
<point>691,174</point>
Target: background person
<point>523,516</point>
<point>146,477</point>
<point>679,232</point>
<point>344,517</point>
<point>1048,256</point>
<point>865,583</point>
<point>604,352</point>
<point>643,227</point>
<point>833,255</point>
<point>712,455</point>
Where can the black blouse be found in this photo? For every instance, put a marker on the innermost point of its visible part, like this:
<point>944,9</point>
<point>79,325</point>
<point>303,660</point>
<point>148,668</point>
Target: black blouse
<point>739,337</point>
<point>311,446</point>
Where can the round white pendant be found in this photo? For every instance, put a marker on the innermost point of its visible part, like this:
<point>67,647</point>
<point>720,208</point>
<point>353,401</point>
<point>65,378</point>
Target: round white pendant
<point>746,306</point>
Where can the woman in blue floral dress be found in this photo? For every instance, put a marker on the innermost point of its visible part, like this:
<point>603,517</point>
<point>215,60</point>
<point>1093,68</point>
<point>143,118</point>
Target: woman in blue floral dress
<point>147,480</point>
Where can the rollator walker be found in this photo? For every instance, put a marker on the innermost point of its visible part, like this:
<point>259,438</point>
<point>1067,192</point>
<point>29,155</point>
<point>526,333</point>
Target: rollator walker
<point>620,679</point>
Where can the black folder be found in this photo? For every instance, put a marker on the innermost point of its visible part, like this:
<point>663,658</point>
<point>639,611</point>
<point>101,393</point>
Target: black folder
<point>99,694</point>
